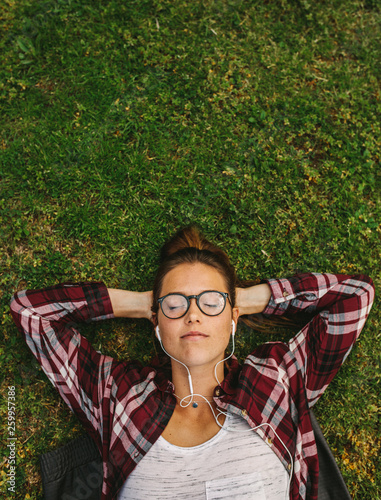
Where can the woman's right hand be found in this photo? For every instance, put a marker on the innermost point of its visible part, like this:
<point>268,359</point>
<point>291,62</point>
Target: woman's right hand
<point>127,304</point>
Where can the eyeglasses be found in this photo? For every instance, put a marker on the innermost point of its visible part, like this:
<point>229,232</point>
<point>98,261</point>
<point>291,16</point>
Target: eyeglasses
<point>176,305</point>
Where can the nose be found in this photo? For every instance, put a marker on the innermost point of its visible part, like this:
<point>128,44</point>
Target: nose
<point>194,313</point>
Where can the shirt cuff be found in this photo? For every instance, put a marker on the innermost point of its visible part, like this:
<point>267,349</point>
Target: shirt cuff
<point>98,301</point>
<point>281,295</point>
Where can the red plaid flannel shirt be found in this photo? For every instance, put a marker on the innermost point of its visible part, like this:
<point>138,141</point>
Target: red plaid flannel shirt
<point>125,406</point>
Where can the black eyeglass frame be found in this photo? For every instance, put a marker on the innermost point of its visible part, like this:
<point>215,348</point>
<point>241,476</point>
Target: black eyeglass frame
<point>197,297</point>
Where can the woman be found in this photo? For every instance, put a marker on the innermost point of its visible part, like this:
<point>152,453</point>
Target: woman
<point>206,427</point>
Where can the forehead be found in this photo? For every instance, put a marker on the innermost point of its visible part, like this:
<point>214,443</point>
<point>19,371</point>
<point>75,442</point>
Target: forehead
<point>192,279</point>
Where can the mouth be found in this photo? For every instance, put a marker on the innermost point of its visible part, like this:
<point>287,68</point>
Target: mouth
<point>194,335</point>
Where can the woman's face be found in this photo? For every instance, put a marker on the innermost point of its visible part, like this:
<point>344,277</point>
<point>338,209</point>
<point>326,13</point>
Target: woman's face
<point>196,339</point>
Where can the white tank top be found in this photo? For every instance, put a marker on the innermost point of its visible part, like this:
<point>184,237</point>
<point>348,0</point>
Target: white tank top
<point>231,465</point>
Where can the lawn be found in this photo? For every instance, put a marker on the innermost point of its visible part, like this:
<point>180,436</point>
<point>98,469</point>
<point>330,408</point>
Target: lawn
<point>124,121</point>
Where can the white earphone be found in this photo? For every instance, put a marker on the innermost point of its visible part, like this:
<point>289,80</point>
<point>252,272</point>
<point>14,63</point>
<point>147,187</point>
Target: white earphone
<point>233,328</point>
<point>157,332</point>
<point>184,403</point>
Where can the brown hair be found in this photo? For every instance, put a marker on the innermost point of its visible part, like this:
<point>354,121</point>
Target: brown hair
<point>189,246</point>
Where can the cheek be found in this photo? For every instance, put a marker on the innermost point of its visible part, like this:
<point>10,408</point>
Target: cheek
<point>228,322</point>
<point>167,329</point>
<point>225,327</point>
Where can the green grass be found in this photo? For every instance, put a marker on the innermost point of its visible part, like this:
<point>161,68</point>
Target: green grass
<point>123,121</point>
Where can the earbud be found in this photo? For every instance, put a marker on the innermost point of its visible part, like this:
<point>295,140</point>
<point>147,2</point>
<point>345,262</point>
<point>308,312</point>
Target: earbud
<point>233,328</point>
<point>157,333</point>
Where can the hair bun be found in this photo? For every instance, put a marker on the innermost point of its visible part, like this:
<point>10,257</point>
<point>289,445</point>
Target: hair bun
<point>188,237</point>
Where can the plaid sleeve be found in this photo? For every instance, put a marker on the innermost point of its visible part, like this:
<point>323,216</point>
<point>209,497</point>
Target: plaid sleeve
<point>339,304</point>
<point>47,318</point>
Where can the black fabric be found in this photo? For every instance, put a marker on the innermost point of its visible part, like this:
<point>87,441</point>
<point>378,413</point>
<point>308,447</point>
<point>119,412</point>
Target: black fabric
<point>74,472</point>
<point>331,482</point>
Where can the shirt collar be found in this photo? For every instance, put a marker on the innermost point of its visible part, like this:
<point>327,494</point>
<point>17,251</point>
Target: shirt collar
<point>230,383</point>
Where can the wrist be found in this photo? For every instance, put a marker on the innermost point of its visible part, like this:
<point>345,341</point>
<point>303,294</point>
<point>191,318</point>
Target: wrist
<point>254,299</point>
<point>128,304</point>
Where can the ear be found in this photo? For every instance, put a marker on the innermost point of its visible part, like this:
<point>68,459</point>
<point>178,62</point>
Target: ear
<point>235,314</point>
<point>154,319</point>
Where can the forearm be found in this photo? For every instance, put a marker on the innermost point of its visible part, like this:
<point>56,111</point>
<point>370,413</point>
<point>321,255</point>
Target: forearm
<point>66,303</point>
<point>253,300</point>
<point>127,304</point>
<point>316,292</point>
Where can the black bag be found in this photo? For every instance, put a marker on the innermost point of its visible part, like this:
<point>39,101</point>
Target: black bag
<point>331,482</point>
<point>73,472</point>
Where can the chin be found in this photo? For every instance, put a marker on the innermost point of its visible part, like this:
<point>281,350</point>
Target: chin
<point>198,360</point>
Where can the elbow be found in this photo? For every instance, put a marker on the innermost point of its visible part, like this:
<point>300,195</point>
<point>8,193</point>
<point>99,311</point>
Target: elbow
<point>369,287</point>
<point>367,290</point>
<point>17,307</point>
<point>14,305</point>
<point>372,291</point>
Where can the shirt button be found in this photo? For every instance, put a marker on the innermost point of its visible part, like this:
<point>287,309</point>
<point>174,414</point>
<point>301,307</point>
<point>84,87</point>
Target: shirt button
<point>285,294</point>
<point>269,441</point>
<point>289,466</point>
<point>244,413</point>
<point>136,454</point>
<point>217,392</point>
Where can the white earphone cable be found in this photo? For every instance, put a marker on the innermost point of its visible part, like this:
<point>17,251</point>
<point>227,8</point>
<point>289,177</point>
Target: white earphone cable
<point>220,412</point>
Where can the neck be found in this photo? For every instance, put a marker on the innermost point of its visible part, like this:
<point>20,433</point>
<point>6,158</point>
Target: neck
<point>203,379</point>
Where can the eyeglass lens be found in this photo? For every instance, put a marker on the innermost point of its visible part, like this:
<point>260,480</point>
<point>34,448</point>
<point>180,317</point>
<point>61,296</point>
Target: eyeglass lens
<point>210,303</point>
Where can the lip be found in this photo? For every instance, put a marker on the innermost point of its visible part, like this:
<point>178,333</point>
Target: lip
<point>194,334</point>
